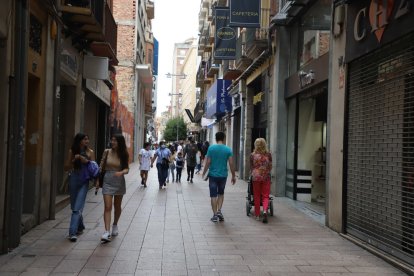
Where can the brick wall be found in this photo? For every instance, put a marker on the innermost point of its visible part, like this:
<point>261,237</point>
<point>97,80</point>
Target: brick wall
<point>124,10</point>
<point>126,45</point>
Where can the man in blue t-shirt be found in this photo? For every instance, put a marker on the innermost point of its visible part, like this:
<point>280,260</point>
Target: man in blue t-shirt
<point>216,164</point>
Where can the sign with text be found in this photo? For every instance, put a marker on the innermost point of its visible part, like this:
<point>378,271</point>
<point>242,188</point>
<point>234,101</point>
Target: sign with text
<point>225,36</point>
<point>245,13</point>
<point>373,23</point>
<point>219,102</point>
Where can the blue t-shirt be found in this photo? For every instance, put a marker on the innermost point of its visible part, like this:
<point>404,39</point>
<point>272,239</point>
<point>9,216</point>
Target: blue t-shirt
<point>219,155</point>
<point>162,153</point>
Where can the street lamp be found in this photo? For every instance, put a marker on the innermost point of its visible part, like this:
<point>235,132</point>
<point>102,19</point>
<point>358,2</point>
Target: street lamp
<point>179,95</point>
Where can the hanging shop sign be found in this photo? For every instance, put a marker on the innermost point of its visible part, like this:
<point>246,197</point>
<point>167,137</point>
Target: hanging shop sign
<point>245,14</point>
<point>258,98</point>
<point>219,102</point>
<point>373,23</point>
<point>225,36</point>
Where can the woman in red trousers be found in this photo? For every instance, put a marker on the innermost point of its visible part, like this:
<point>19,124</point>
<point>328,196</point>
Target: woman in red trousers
<point>261,165</point>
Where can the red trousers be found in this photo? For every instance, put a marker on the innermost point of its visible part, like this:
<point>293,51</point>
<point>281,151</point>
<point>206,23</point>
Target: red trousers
<point>261,191</point>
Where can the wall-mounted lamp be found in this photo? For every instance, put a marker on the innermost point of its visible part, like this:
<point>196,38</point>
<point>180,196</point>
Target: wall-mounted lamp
<point>339,19</point>
<point>306,78</point>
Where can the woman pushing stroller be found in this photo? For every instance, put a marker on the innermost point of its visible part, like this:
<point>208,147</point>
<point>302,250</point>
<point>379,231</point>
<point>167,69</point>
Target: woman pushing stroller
<point>261,165</point>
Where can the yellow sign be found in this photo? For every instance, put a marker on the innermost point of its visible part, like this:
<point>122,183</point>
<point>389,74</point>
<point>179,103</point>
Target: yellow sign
<point>257,98</point>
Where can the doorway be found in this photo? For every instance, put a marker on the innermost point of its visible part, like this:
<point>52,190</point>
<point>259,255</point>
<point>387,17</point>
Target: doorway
<point>306,148</point>
<point>32,146</point>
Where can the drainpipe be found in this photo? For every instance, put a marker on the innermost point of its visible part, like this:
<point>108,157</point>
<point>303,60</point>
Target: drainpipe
<point>56,122</point>
<point>17,107</point>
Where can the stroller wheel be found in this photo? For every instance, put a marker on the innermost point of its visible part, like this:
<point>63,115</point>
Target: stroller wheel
<point>271,207</point>
<point>247,207</point>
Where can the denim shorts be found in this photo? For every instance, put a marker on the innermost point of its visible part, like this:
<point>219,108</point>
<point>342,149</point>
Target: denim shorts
<point>217,185</point>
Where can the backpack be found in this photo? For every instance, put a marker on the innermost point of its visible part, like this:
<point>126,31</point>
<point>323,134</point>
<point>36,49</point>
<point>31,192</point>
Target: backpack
<point>180,162</point>
<point>165,164</point>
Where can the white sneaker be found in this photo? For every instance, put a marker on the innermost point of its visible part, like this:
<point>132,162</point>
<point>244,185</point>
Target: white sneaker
<point>114,230</point>
<point>106,237</point>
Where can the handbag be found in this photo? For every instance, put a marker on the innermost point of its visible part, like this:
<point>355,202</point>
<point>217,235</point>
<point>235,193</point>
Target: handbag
<point>102,170</point>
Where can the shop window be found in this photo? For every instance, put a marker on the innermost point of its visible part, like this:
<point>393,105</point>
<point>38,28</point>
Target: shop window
<point>315,35</point>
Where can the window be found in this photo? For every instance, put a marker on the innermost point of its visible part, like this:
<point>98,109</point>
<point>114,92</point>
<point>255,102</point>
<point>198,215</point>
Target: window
<point>314,35</point>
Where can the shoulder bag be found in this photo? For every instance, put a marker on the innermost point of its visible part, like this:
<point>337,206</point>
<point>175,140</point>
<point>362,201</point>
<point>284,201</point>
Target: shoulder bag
<point>102,170</point>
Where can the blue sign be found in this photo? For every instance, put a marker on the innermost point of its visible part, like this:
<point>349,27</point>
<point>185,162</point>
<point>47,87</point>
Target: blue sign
<point>155,58</point>
<point>219,102</point>
<point>225,36</point>
<point>245,13</point>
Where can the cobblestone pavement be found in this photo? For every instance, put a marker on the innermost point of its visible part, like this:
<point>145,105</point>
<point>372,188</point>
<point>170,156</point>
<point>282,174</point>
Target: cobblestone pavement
<point>169,232</point>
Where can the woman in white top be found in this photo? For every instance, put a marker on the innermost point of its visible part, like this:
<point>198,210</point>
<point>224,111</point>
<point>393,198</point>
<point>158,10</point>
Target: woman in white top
<point>145,163</point>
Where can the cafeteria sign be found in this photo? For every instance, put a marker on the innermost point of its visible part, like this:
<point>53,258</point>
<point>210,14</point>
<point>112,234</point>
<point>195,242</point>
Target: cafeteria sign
<point>225,36</point>
<point>245,14</point>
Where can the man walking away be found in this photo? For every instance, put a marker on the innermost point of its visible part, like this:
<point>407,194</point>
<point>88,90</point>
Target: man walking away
<point>190,153</point>
<point>216,164</point>
<point>162,154</point>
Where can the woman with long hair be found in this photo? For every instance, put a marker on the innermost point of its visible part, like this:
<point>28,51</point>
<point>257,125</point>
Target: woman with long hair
<point>261,165</point>
<point>115,162</point>
<point>77,165</point>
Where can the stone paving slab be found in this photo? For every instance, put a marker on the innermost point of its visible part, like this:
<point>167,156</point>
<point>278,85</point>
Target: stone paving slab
<point>168,232</point>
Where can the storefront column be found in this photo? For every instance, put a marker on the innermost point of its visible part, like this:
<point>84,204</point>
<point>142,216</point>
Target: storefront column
<point>278,125</point>
<point>248,125</point>
<point>335,135</point>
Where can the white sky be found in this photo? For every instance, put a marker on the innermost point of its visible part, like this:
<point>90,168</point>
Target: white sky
<point>174,22</point>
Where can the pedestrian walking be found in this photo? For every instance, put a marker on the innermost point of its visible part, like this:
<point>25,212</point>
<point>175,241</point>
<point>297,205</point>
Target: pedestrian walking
<point>198,161</point>
<point>179,164</point>
<point>115,163</point>
<point>77,166</point>
<point>261,165</point>
<point>171,169</point>
<point>162,155</point>
<point>217,157</point>
<point>144,157</point>
<point>190,156</point>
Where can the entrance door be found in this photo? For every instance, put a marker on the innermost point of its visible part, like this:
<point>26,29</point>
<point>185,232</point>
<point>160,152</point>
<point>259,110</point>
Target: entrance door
<point>33,146</point>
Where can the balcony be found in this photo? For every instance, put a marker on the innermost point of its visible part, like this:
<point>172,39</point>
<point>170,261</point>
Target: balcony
<point>212,68</point>
<point>149,6</point>
<point>94,25</point>
<point>256,41</point>
<point>200,74</point>
<point>229,70</point>
<point>198,111</point>
<point>242,60</point>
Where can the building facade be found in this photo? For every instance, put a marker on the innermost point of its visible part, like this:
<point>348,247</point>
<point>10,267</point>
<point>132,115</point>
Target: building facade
<point>329,88</point>
<point>134,71</point>
<point>57,82</point>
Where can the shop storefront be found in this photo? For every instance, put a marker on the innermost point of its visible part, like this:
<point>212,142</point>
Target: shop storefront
<point>379,132</point>
<point>306,96</point>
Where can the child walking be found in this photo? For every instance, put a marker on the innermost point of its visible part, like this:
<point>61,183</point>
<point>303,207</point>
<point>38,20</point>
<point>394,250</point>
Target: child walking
<point>179,164</point>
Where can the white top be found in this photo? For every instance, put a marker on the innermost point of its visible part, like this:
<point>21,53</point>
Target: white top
<point>145,160</point>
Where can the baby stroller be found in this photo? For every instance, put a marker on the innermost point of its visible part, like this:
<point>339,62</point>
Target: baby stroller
<point>250,199</point>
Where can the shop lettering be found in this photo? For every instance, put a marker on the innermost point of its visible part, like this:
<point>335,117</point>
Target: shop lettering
<point>245,13</point>
<point>226,50</point>
<point>378,15</point>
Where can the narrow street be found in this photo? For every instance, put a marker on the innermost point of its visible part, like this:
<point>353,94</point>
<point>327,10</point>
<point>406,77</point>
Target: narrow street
<point>168,232</point>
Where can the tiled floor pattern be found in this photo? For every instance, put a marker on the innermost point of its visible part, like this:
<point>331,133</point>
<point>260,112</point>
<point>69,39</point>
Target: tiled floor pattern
<point>168,232</point>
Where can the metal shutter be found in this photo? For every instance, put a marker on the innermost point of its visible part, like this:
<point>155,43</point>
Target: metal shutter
<point>380,149</point>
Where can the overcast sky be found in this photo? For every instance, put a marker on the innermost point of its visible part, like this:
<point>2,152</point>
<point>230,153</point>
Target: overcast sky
<point>174,22</point>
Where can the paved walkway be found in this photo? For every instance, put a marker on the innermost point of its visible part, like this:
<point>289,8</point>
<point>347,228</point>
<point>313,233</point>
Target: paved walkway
<point>169,232</point>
